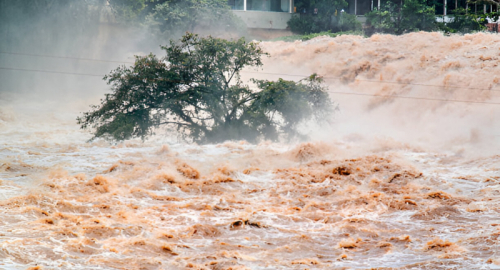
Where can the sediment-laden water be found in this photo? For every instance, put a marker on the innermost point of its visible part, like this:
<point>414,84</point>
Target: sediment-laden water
<point>393,183</point>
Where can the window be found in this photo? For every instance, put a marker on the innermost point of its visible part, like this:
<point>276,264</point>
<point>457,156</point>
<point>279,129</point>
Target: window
<point>235,4</point>
<point>269,5</point>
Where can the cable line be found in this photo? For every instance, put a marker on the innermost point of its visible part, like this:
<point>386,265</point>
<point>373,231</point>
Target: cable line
<point>333,92</point>
<point>377,81</point>
<point>67,57</point>
<point>56,72</point>
<point>418,98</point>
<point>268,73</point>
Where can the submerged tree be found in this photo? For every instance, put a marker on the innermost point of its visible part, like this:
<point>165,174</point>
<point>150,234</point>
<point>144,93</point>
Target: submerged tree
<point>196,89</point>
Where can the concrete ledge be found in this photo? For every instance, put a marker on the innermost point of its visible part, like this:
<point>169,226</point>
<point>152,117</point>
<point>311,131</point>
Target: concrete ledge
<point>264,19</point>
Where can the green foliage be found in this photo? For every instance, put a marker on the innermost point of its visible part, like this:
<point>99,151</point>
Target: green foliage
<point>329,18</point>
<point>196,89</point>
<point>303,25</point>
<point>463,21</point>
<point>172,18</point>
<point>313,35</point>
<point>127,10</point>
<point>175,17</point>
<point>402,16</point>
<point>301,4</point>
<point>345,22</point>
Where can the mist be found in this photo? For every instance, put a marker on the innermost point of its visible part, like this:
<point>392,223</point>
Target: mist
<point>58,52</point>
<point>447,88</point>
<point>55,61</point>
<point>406,176</point>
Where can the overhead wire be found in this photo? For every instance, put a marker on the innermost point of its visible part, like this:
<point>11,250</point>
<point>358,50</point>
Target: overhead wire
<point>259,72</point>
<point>49,71</point>
<point>332,92</point>
<point>418,98</point>
<point>270,73</point>
<point>280,74</point>
<point>67,57</point>
<point>378,81</point>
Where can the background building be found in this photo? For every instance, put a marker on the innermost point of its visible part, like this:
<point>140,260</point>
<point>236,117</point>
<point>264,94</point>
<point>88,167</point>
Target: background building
<point>263,14</point>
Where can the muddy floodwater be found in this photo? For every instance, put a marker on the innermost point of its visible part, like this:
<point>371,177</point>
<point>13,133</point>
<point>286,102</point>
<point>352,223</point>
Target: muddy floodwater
<point>392,184</point>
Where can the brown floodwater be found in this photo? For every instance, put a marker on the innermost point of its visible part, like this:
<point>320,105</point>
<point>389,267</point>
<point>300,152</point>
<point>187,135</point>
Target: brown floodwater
<point>391,184</point>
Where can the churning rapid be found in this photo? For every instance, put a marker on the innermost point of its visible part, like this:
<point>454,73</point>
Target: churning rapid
<point>406,182</point>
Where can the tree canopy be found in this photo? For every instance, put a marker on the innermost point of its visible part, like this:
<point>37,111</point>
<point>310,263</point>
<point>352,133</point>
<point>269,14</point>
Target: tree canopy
<point>127,10</point>
<point>328,17</point>
<point>172,18</point>
<point>398,17</point>
<point>196,90</point>
<point>175,17</point>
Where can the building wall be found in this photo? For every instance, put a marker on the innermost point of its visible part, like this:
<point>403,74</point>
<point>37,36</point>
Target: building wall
<point>264,19</point>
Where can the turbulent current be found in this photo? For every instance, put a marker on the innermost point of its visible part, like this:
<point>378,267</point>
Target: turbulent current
<point>406,177</point>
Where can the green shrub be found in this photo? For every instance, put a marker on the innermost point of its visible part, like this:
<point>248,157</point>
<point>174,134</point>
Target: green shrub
<point>402,17</point>
<point>465,22</point>
<point>303,25</point>
<point>345,22</point>
<point>313,35</point>
<point>328,17</point>
<point>311,24</point>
